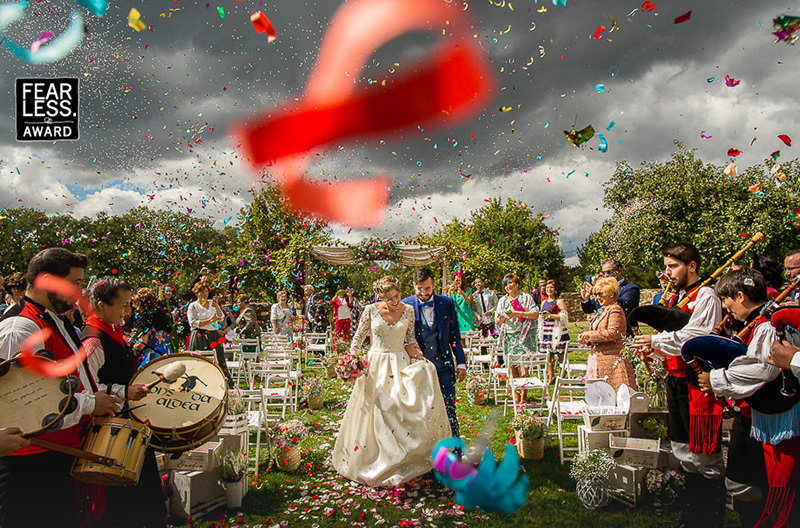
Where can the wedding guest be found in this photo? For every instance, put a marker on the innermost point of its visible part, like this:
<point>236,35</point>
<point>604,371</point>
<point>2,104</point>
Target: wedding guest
<point>204,317</point>
<point>791,269</point>
<point>538,293</point>
<point>463,302</point>
<point>281,315</point>
<point>247,323</point>
<point>484,302</point>
<point>343,314</point>
<point>151,326</point>
<point>15,286</point>
<point>771,272</point>
<point>553,333</point>
<point>629,293</point>
<point>606,336</point>
<point>515,315</point>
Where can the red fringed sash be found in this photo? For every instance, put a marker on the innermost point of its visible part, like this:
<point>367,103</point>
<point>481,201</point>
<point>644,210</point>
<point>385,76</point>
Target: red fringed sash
<point>705,421</point>
<point>783,474</point>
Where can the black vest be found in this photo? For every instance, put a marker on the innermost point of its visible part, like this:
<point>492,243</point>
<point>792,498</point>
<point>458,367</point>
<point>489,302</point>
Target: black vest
<point>120,362</point>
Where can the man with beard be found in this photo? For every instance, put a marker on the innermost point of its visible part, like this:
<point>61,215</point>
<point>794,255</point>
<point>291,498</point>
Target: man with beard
<point>33,476</point>
<point>695,418</point>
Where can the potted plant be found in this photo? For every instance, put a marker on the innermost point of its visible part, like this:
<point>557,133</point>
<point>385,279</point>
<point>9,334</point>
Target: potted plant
<point>478,389</point>
<point>232,470</point>
<point>236,419</point>
<point>590,469</point>
<point>331,358</point>
<point>285,439</point>
<point>529,430</point>
<point>665,486</point>
<point>314,391</point>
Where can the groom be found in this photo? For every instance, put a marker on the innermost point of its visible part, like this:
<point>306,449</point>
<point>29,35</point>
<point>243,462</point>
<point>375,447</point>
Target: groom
<point>439,338</point>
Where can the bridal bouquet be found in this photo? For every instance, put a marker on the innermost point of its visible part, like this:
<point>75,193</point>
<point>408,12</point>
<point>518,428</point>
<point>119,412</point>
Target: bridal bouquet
<point>350,367</point>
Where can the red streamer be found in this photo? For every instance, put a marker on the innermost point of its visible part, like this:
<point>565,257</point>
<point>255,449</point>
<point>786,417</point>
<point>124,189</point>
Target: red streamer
<point>28,358</point>
<point>453,84</point>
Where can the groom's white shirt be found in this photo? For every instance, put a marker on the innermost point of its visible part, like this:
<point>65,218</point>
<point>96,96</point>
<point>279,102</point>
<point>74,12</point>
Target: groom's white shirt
<point>427,313</point>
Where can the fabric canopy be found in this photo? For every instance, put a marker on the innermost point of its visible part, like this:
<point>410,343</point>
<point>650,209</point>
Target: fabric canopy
<point>410,255</point>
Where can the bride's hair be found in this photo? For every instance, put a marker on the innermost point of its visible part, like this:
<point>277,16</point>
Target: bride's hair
<point>386,284</point>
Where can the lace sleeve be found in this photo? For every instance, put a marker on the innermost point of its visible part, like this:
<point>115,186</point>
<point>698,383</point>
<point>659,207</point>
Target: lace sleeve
<point>411,334</point>
<point>364,326</point>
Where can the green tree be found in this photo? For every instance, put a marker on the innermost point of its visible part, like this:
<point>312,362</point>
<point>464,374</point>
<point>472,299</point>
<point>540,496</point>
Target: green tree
<point>498,239</point>
<point>684,199</point>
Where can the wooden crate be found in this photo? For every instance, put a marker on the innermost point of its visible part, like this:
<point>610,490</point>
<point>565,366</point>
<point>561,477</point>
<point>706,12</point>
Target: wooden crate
<point>635,452</point>
<point>202,458</point>
<point>604,422</point>
<point>234,424</point>
<point>627,484</point>
<point>589,440</point>
<point>195,493</point>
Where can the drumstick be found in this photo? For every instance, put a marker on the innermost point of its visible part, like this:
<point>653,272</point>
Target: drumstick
<point>171,373</point>
<point>67,450</point>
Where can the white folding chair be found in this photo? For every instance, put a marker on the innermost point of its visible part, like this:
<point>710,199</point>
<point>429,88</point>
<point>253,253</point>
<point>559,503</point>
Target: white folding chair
<point>277,396</point>
<point>565,410</point>
<point>534,366</point>
<point>570,369</point>
<point>316,344</point>
<point>256,421</point>
<point>497,374</point>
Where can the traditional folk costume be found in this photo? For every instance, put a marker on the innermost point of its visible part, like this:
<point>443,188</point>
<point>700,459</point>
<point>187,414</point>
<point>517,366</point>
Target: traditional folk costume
<point>746,473</point>
<point>142,505</point>
<point>695,418</point>
<point>779,433</point>
<point>36,488</point>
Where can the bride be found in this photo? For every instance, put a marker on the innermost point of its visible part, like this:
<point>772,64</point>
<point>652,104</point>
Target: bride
<point>396,413</point>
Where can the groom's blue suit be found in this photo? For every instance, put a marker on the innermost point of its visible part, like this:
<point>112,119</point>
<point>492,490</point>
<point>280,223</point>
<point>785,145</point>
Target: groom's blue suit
<point>439,342</point>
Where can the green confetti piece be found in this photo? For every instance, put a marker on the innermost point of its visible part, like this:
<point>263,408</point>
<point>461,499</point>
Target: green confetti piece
<point>221,11</point>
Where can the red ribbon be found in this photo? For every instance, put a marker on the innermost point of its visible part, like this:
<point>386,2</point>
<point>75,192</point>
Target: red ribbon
<point>447,88</point>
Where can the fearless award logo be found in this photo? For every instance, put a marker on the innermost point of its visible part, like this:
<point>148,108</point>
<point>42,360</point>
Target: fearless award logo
<point>47,109</point>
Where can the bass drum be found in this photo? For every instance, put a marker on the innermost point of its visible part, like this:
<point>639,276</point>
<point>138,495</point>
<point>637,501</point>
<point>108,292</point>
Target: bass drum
<point>184,413</point>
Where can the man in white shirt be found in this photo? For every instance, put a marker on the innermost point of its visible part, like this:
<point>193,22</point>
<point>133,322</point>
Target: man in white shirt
<point>31,473</point>
<point>484,302</point>
<point>695,418</point>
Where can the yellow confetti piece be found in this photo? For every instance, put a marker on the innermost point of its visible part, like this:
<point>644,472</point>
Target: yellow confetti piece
<point>134,20</point>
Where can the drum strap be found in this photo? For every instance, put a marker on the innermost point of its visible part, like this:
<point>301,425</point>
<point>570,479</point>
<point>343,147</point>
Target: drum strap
<point>73,336</point>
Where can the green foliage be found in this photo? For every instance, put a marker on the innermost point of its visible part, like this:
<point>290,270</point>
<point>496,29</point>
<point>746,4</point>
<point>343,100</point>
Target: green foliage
<point>143,246</point>
<point>498,239</point>
<point>684,199</point>
<point>232,465</point>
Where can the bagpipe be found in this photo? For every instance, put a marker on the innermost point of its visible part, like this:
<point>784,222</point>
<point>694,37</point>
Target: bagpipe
<point>705,353</point>
<point>671,319</point>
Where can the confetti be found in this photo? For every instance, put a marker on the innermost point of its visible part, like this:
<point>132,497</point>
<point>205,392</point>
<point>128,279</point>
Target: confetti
<point>581,136</point>
<point>263,25</point>
<point>786,140</point>
<point>648,6</point>
<point>600,88</point>
<point>598,33</point>
<point>56,49</point>
<point>134,20</point>
<point>221,11</point>
<point>786,27</point>
<point>603,145</point>
<point>683,18</point>
<point>730,82</point>
<point>43,38</point>
<point>734,152</point>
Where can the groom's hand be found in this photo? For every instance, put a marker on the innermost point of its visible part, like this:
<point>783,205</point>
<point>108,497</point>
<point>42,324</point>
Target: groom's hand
<point>461,374</point>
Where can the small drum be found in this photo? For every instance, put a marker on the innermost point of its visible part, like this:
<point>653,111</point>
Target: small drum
<point>33,403</point>
<point>123,440</point>
<point>184,413</point>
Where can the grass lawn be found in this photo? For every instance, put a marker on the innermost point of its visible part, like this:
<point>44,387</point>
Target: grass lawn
<point>315,496</point>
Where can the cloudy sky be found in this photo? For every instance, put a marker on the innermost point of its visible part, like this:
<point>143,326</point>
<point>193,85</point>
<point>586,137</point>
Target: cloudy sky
<point>156,106</point>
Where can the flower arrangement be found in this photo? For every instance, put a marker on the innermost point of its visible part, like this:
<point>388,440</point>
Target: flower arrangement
<point>653,381</point>
<point>665,486</point>
<point>591,465</point>
<point>314,387</point>
<point>232,465</point>
<point>477,385</point>
<point>236,405</point>
<point>530,426</point>
<point>351,366</point>
<point>375,248</point>
<point>286,435</point>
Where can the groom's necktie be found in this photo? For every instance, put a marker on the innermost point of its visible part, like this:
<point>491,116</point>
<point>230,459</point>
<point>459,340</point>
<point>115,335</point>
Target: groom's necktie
<point>483,304</point>
<point>429,304</point>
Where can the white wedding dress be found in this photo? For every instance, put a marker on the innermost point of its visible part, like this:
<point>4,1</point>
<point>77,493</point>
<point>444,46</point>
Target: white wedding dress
<point>396,413</point>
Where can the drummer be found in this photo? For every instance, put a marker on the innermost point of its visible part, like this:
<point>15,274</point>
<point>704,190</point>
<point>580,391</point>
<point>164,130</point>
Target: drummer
<point>141,505</point>
<point>32,474</point>
<point>743,292</point>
